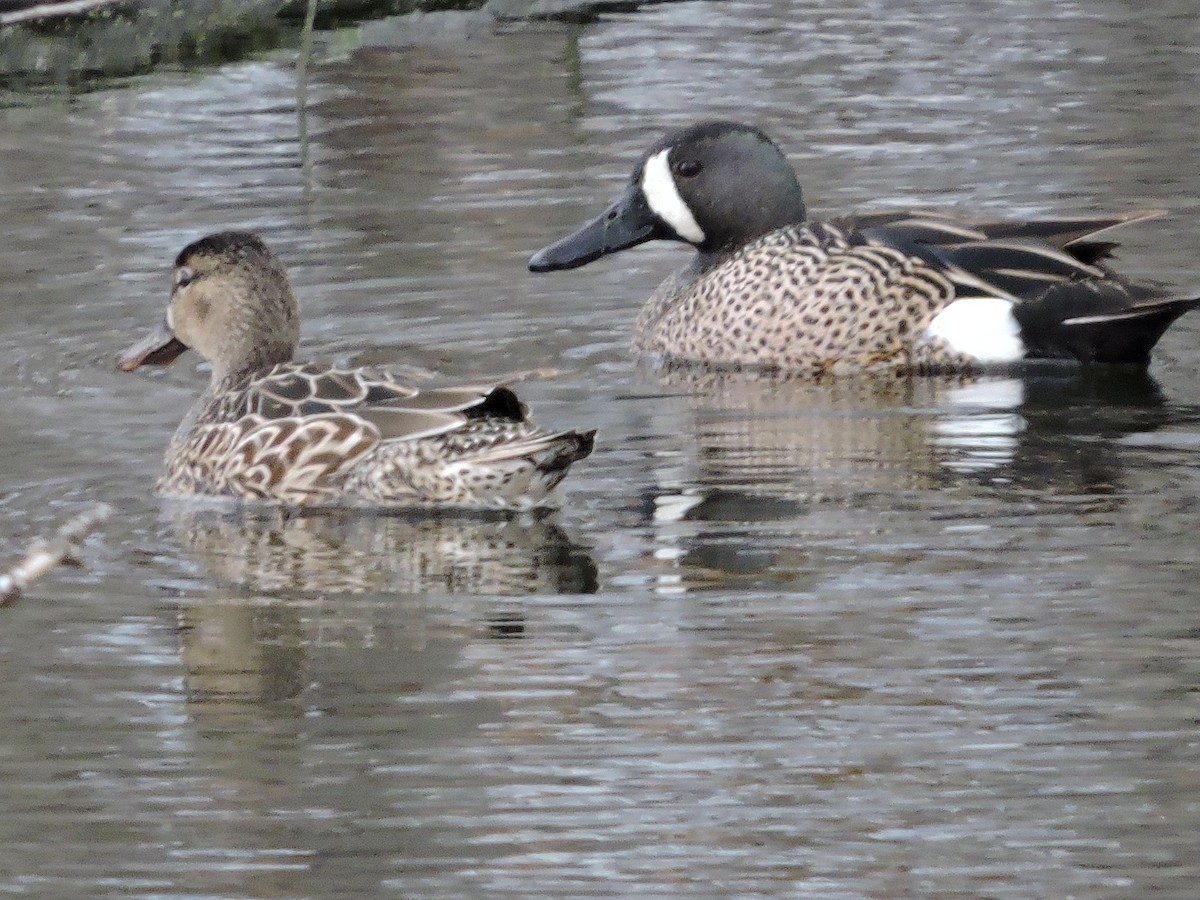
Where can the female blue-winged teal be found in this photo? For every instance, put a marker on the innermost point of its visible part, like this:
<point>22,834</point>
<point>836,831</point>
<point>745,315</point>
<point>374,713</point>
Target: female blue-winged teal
<point>913,292</point>
<point>270,429</point>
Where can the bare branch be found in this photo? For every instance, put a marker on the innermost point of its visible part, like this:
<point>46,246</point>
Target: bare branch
<point>44,555</point>
<point>57,10</point>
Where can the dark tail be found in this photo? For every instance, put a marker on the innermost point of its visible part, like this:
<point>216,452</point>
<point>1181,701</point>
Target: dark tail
<point>573,446</point>
<point>1123,337</point>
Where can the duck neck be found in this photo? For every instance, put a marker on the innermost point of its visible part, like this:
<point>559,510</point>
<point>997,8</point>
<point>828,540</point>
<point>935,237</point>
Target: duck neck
<point>251,365</point>
<point>768,207</point>
<point>224,398</point>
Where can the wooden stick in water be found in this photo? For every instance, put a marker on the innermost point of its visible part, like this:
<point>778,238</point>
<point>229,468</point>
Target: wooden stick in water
<point>44,555</point>
<point>56,10</point>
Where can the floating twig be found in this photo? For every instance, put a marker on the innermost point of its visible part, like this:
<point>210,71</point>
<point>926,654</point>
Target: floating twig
<point>46,554</point>
<point>57,10</point>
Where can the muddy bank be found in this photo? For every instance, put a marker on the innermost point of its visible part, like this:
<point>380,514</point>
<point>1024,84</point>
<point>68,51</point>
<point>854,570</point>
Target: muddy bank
<point>130,38</point>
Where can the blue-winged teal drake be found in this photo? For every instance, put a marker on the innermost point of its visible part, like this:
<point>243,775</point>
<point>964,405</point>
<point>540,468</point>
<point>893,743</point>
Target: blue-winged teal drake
<point>898,291</point>
<point>270,429</point>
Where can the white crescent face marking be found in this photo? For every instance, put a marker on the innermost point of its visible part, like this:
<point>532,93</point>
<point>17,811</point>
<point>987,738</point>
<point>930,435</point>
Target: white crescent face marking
<point>981,327</point>
<point>659,187</point>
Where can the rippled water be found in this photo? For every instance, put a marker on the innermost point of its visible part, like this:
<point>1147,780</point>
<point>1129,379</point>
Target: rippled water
<point>849,640</point>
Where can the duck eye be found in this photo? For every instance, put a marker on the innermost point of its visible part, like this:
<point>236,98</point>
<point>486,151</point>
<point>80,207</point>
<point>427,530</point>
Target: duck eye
<point>688,168</point>
<point>184,276</point>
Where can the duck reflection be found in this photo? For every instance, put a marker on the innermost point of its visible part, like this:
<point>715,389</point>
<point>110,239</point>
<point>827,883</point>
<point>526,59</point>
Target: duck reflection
<point>306,604</point>
<point>350,552</point>
<point>777,474</point>
<point>766,446</point>
<point>277,687</point>
<point>242,650</point>
<point>1046,431</point>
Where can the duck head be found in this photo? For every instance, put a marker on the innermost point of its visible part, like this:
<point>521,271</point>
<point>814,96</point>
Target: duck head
<point>714,185</point>
<point>231,302</point>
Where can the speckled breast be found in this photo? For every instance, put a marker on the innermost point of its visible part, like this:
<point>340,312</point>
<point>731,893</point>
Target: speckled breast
<point>801,298</point>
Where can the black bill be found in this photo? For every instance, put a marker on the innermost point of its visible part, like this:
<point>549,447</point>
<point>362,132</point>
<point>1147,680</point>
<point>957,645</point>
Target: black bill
<point>627,223</point>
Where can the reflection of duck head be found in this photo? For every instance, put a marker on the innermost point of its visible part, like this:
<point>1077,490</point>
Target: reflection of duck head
<point>352,552</point>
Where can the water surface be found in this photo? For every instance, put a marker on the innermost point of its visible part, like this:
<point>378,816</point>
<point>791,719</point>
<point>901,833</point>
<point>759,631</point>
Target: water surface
<point>929,638</point>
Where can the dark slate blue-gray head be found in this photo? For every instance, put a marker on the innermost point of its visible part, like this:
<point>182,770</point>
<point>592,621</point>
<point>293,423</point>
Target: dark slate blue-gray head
<point>714,185</point>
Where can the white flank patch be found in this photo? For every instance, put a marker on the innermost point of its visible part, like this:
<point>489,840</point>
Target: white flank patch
<point>659,187</point>
<point>981,327</point>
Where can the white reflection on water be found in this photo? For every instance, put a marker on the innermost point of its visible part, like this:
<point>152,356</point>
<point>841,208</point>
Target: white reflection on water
<point>984,436</point>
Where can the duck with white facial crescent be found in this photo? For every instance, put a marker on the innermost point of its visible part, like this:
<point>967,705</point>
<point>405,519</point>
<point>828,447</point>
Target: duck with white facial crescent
<point>914,292</point>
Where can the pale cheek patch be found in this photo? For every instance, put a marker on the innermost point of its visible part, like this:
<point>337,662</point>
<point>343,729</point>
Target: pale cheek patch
<point>981,327</point>
<point>663,197</point>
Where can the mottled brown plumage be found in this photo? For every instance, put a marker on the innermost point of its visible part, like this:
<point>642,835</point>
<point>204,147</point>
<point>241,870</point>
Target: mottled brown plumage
<point>272,430</point>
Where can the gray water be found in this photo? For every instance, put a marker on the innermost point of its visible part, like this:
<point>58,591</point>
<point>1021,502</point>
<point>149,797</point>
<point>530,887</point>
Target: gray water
<point>841,640</point>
